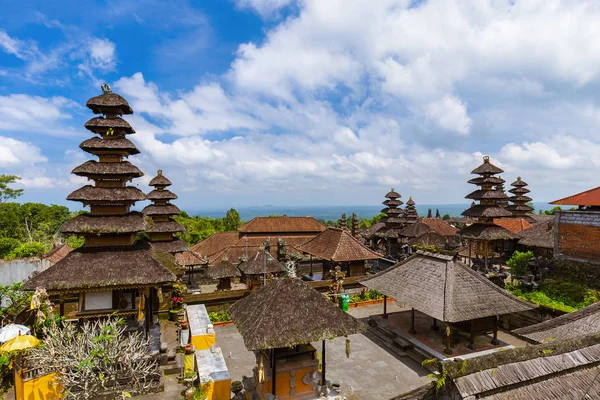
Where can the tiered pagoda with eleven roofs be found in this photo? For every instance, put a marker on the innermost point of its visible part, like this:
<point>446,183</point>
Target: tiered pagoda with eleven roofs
<point>112,273</point>
<point>519,200</point>
<point>394,221</point>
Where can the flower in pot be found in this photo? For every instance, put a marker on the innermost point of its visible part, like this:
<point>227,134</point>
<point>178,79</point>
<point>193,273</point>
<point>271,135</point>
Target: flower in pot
<point>236,387</point>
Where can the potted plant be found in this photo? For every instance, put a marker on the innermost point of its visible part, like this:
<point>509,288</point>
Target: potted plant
<point>236,387</point>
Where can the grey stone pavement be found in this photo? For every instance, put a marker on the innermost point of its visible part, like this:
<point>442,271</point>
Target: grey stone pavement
<point>371,372</point>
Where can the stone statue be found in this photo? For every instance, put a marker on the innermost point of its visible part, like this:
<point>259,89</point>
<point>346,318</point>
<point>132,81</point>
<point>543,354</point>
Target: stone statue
<point>105,88</point>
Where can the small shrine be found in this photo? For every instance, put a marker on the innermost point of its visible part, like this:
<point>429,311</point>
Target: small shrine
<point>519,200</point>
<point>224,271</point>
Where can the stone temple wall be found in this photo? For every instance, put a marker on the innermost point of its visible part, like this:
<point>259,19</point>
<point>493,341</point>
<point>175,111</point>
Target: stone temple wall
<point>577,236</point>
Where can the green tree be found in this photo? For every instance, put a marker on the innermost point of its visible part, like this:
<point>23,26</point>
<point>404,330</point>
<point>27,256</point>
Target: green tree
<point>446,217</point>
<point>7,193</point>
<point>553,211</point>
<point>29,249</point>
<point>7,245</point>
<point>519,263</point>
<point>232,220</point>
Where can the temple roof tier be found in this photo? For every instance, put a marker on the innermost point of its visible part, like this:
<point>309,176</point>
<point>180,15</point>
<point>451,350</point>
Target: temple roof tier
<point>109,103</point>
<point>160,180</point>
<point>394,220</point>
<point>170,246</point>
<point>262,262</point>
<point>482,180</point>
<point>91,194</point>
<point>391,203</point>
<point>117,146</point>
<point>520,198</point>
<point>486,194</point>
<point>519,207</point>
<point>487,168</point>
<point>519,190</point>
<point>101,125</point>
<point>222,269</point>
<point>392,195</point>
<point>518,183</point>
<point>168,209</point>
<point>389,211</point>
<point>486,211</point>
<point>87,224</point>
<point>165,227</point>
<point>480,231</point>
<point>123,169</point>
<point>161,195</point>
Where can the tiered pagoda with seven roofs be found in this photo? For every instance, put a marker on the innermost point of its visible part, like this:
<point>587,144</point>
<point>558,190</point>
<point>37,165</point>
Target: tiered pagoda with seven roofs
<point>112,273</point>
<point>519,200</point>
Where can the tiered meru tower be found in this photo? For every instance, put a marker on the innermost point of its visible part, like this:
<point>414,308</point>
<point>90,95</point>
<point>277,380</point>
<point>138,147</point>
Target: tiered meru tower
<point>410,212</point>
<point>484,232</point>
<point>500,188</point>
<point>112,272</point>
<point>394,221</point>
<point>519,208</point>
<point>163,228</point>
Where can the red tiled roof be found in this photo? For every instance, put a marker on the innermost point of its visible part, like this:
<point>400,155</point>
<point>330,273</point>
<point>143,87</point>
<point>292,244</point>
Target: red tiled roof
<point>57,253</point>
<point>513,224</point>
<point>440,226</point>
<point>189,258</point>
<point>588,198</point>
<point>338,245</point>
<point>284,224</point>
<point>215,243</point>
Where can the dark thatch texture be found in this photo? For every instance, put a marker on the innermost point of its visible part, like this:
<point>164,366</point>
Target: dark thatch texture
<point>215,243</point>
<point>168,209</point>
<point>96,145</point>
<point>338,245</point>
<point>97,267</point>
<point>91,194</point>
<point>160,180</point>
<point>414,230</point>
<point>100,125</point>
<point>123,169</point>
<point>576,324</point>
<point>487,168</point>
<point>486,194</point>
<point>394,220</point>
<point>284,224</point>
<point>161,195</point>
<point>440,226</point>
<point>444,288</point>
<point>100,224</point>
<point>513,224</point>
<point>172,246</point>
<point>393,195</point>
<point>109,103</point>
<point>288,312</point>
<point>223,268</point>
<point>429,239</point>
<point>262,262</point>
<point>491,180</point>
<point>391,203</point>
<point>165,227</point>
<point>479,231</point>
<point>188,258</point>
<point>518,183</point>
<point>390,211</point>
<point>486,211</point>
<point>540,235</point>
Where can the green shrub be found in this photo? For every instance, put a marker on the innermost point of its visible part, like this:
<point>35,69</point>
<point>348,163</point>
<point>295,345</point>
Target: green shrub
<point>519,263</point>
<point>7,245</point>
<point>219,316</point>
<point>29,249</point>
<point>365,295</point>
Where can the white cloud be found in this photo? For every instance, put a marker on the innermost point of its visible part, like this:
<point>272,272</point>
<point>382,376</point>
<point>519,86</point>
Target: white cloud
<point>265,8</point>
<point>14,153</point>
<point>451,114</point>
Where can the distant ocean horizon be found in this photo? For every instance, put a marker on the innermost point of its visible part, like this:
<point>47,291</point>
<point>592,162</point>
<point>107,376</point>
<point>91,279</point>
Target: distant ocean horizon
<point>335,212</point>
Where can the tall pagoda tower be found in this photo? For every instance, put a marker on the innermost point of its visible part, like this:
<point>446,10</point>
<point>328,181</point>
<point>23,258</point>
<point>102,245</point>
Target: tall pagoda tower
<point>394,220</point>
<point>410,211</point>
<point>484,231</point>
<point>500,188</point>
<point>113,273</point>
<point>162,232</point>
<point>519,208</point>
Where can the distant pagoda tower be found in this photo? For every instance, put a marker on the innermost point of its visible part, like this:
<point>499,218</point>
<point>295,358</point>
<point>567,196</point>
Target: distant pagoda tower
<point>343,222</point>
<point>500,188</point>
<point>162,232</point>
<point>354,229</point>
<point>394,221</point>
<point>112,273</point>
<point>484,230</point>
<point>519,208</point>
<point>410,212</point>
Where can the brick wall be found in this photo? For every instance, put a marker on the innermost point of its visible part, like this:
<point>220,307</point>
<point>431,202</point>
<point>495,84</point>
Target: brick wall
<point>578,235</point>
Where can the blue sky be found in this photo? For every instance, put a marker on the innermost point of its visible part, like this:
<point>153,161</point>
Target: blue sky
<point>252,102</point>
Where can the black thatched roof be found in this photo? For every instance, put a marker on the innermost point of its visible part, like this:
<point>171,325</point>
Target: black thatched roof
<point>222,269</point>
<point>486,194</point>
<point>391,203</point>
<point>161,195</point>
<point>98,267</point>
<point>479,231</point>
<point>540,235</point>
<point>392,195</point>
<point>165,227</point>
<point>414,230</point>
<point>486,211</point>
<point>518,182</point>
<point>262,262</point>
<point>97,145</point>
<point>123,169</point>
<point>288,312</point>
<point>428,239</point>
<point>90,194</point>
<point>492,180</point>
<point>110,224</point>
<point>100,125</point>
<point>389,211</point>
<point>167,209</point>
<point>109,103</point>
<point>444,288</point>
<point>487,168</point>
<point>172,246</point>
<point>573,325</point>
<point>160,180</point>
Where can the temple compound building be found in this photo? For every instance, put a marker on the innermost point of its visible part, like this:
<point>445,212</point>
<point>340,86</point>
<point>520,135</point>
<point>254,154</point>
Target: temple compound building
<point>112,273</point>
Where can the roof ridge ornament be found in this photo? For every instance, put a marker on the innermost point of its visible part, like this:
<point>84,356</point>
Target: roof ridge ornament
<point>486,159</point>
<point>105,88</point>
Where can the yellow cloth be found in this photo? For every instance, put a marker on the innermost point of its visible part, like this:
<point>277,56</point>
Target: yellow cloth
<point>188,363</point>
<point>219,390</point>
<point>203,342</point>
<point>20,342</point>
<point>141,308</point>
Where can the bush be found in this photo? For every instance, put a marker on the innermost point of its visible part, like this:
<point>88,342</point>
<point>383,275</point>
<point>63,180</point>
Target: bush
<point>519,263</point>
<point>7,245</point>
<point>219,316</point>
<point>30,249</point>
<point>365,295</point>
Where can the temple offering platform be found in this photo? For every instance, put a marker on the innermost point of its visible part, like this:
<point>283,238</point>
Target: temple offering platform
<point>202,333</point>
<point>213,374</point>
<point>427,342</point>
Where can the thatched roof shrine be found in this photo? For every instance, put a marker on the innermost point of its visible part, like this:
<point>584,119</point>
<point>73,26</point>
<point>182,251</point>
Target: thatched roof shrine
<point>539,235</point>
<point>444,288</point>
<point>394,218</point>
<point>93,168</point>
<point>262,262</point>
<point>576,324</point>
<point>98,195</point>
<point>338,245</point>
<point>414,230</point>
<point>189,259</point>
<point>428,239</point>
<point>440,226</point>
<point>222,268</point>
<point>301,315</point>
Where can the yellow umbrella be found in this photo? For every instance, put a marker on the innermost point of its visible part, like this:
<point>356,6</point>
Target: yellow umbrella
<point>19,343</point>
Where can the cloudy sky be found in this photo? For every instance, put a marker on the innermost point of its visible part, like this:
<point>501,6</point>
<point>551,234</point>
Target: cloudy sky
<point>253,102</point>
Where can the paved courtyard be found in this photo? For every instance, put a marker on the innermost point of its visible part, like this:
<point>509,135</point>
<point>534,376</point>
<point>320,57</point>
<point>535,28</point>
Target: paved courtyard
<point>370,373</point>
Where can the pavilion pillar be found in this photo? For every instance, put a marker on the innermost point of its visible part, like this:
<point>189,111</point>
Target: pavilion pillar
<point>148,310</point>
<point>311,266</point>
<point>385,316</point>
<point>448,349</point>
<point>470,260</point>
<point>434,326</point>
<point>495,340</point>
<point>485,255</point>
<point>274,372</point>
<point>412,324</point>
<point>472,336</point>
<point>323,368</point>
<point>62,305</point>
<point>190,268</point>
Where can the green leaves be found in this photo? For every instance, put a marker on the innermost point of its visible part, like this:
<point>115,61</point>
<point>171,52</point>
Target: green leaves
<point>7,193</point>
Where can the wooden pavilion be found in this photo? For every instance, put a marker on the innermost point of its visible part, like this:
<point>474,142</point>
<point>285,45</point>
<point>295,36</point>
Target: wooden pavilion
<point>190,260</point>
<point>448,291</point>
<point>223,270</point>
<point>337,246</point>
<point>257,266</point>
<point>112,274</point>
<point>281,336</point>
<point>539,239</point>
<point>484,232</point>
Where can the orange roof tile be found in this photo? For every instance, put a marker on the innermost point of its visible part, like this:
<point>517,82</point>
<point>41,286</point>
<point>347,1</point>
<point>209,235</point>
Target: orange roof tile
<point>338,245</point>
<point>57,253</point>
<point>215,243</point>
<point>440,226</point>
<point>588,198</point>
<point>513,224</point>
<point>275,225</point>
